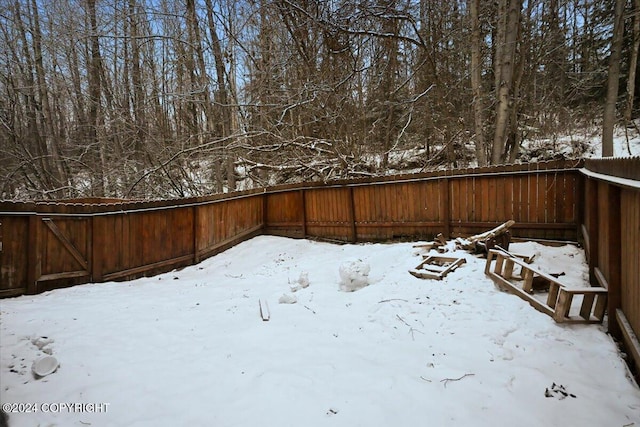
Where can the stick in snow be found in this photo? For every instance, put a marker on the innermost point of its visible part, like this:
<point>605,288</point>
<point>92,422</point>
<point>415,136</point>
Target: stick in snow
<point>446,380</point>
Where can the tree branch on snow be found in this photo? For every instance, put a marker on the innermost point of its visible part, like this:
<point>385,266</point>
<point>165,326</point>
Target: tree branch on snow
<point>447,380</point>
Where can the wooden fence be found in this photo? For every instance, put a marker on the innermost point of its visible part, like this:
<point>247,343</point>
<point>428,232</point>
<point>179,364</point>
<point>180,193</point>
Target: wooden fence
<point>611,234</point>
<point>45,246</point>
<point>543,199</point>
<point>51,245</point>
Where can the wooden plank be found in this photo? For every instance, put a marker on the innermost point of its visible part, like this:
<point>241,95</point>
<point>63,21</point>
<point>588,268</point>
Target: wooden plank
<point>12,292</point>
<point>244,235</point>
<point>560,187</point>
<point>446,204</point>
<point>433,267</point>
<point>454,196</point>
<point>629,337</point>
<point>552,297</point>
<point>516,202</point>
<point>591,206</point>
<point>34,255</point>
<point>352,216</point>
<point>509,287</point>
<point>196,233</point>
<point>630,256</point>
<point>542,197</point>
<point>500,201</point>
<point>303,212</point>
<point>148,267</point>
<point>533,198</point>
<point>16,255</point>
<point>587,305</point>
<point>601,306</point>
<point>265,210</point>
<point>563,306</point>
<point>614,251</point>
<point>492,199</point>
<point>527,285</point>
<point>264,310</point>
<point>63,275</point>
<point>406,200</point>
<point>484,199</point>
<point>499,262</point>
<point>508,269</point>
<point>509,209</point>
<point>571,197</point>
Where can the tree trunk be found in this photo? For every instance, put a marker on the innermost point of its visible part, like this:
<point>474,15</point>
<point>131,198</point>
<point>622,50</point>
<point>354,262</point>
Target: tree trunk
<point>609,119</point>
<point>633,62</point>
<point>507,32</point>
<point>223,97</point>
<point>476,82</point>
<point>139,103</point>
<point>94,66</point>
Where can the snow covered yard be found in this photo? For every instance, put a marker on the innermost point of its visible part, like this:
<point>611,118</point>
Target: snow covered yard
<point>189,347</point>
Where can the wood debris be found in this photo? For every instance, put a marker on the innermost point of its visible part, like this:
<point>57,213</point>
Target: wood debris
<point>487,240</point>
<point>436,267</point>
<point>264,310</point>
<point>439,243</point>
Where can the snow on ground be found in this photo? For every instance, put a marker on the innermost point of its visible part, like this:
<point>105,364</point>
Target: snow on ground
<point>189,347</point>
<point>585,142</point>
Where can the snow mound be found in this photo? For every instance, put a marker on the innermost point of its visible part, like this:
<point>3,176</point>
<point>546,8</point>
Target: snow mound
<point>354,275</point>
<point>303,280</point>
<point>301,283</point>
<point>288,299</point>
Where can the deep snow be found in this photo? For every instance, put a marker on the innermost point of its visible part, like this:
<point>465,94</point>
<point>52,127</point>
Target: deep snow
<point>189,347</point>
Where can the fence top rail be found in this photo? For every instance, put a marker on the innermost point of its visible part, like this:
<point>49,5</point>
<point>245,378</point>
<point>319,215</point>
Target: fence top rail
<point>620,167</point>
<point>105,206</point>
<point>62,208</point>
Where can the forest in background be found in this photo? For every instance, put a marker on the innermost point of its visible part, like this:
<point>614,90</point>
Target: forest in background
<point>157,98</point>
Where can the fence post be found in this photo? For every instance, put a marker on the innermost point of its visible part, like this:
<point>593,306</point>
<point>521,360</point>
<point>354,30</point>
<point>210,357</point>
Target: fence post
<point>97,245</point>
<point>446,197</point>
<point>35,257</point>
<point>196,233</point>
<point>264,210</point>
<point>352,213</point>
<point>303,207</point>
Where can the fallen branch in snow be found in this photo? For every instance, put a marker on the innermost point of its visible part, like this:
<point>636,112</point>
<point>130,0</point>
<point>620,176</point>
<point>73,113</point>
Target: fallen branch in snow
<point>424,379</point>
<point>446,380</point>
<point>392,299</point>
<point>402,320</point>
<point>309,309</point>
<point>411,330</point>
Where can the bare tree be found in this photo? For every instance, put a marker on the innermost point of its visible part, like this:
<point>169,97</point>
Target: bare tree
<point>507,31</point>
<point>609,118</point>
<point>476,82</point>
<point>633,61</point>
